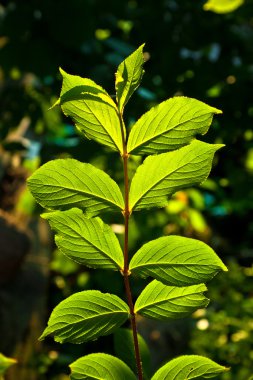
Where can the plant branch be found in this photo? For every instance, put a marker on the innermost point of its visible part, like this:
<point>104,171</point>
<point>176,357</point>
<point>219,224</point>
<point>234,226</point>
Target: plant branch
<point>126,259</point>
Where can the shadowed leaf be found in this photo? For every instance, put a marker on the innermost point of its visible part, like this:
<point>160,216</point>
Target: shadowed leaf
<point>124,348</point>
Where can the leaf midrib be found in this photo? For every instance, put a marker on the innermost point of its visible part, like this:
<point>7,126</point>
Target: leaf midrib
<point>170,264</point>
<point>82,192</point>
<point>168,300</point>
<point>132,77</point>
<point>94,317</point>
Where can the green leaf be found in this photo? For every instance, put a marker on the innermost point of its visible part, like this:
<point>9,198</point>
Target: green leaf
<point>189,367</point>
<point>176,260</point>
<point>222,6</point>
<point>128,76</point>
<point>100,367</point>
<point>124,348</point>
<point>86,241</point>
<point>85,316</point>
<point>92,109</point>
<point>66,183</point>
<point>170,125</point>
<point>159,301</point>
<point>162,175</point>
<point>5,363</point>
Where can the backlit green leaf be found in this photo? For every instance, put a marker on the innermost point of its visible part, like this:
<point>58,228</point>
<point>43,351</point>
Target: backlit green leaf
<point>159,301</point>
<point>86,241</point>
<point>128,76</point>
<point>222,6</point>
<point>100,367</point>
<point>66,183</point>
<point>162,175</point>
<point>5,363</point>
<point>170,125</point>
<point>85,316</point>
<point>124,349</point>
<point>189,367</point>
<point>92,109</point>
<point>176,260</point>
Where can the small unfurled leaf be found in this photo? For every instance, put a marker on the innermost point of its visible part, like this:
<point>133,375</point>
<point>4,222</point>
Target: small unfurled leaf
<point>5,363</point>
<point>176,260</point>
<point>124,349</point>
<point>128,76</point>
<point>92,109</point>
<point>101,367</point>
<point>86,241</point>
<point>162,175</point>
<point>159,301</point>
<point>170,125</point>
<point>189,367</point>
<point>66,183</point>
<point>85,316</point>
<point>222,6</point>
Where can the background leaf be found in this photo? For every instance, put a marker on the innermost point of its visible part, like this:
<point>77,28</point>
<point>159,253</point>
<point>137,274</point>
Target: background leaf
<point>66,183</point>
<point>92,109</point>
<point>128,76</point>
<point>162,175</point>
<point>100,366</point>
<point>159,301</point>
<point>124,348</point>
<point>86,241</point>
<point>85,316</point>
<point>222,6</point>
<point>176,260</point>
<point>5,363</point>
<point>189,367</point>
<point>170,125</point>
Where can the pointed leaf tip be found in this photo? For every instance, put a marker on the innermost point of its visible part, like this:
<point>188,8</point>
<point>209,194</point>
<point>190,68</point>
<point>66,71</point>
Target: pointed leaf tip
<point>62,72</point>
<point>5,363</point>
<point>57,103</point>
<point>128,76</point>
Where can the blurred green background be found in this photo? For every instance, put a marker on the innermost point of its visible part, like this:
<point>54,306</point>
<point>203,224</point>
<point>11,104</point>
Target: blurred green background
<point>191,51</point>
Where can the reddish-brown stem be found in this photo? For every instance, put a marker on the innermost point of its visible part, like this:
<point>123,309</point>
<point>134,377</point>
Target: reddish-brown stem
<point>125,271</point>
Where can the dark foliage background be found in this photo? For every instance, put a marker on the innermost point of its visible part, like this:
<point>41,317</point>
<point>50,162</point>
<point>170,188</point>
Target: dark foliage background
<point>189,52</point>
